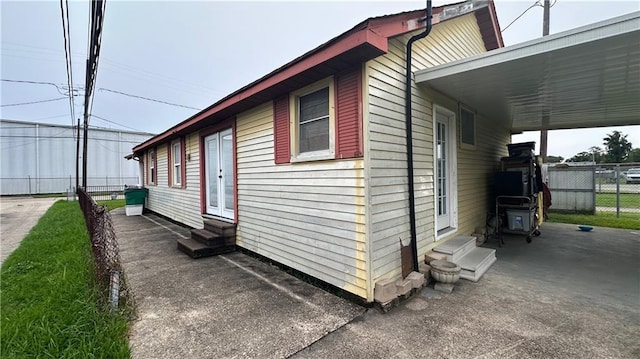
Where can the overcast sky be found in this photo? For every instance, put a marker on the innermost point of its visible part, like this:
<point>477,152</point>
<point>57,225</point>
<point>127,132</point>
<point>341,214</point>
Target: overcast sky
<point>194,53</point>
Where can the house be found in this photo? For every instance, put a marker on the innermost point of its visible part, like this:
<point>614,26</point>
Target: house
<point>310,162</point>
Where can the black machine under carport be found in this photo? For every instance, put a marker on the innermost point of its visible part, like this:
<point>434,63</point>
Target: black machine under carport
<point>516,193</point>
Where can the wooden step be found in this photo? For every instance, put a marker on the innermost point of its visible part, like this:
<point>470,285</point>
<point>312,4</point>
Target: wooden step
<point>196,249</point>
<point>456,248</point>
<point>475,263</point>
<point>220,228</point>
<point>208,238</point>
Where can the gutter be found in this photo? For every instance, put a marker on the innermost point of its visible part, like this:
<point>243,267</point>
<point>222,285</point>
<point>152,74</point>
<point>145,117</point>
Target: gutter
<point>409,136</point>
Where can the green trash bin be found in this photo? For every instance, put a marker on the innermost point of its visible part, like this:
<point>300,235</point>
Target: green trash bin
<point>134,197</point>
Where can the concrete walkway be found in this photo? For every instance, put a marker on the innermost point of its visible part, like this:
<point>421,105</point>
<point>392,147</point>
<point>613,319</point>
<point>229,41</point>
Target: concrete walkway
<point>17,216</point>
<point>569,294</point>
<point>228,306</point>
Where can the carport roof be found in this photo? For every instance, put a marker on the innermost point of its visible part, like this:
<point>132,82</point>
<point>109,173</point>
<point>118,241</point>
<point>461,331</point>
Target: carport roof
<point>585,77</point>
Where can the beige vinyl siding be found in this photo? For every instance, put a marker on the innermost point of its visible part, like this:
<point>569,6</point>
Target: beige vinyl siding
<point>179,204</point>
<point>476,168</point>
<point>451,40</point>
<point>309,216</point>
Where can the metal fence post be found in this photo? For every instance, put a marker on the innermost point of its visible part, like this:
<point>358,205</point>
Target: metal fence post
<point>617,190</point>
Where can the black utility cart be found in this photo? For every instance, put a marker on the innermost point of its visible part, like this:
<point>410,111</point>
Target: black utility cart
<point>516,189</point>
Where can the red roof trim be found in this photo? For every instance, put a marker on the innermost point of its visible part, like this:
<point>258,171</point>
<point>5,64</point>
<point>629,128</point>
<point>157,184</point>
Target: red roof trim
<point>351,41</point>
<point>373,32</point>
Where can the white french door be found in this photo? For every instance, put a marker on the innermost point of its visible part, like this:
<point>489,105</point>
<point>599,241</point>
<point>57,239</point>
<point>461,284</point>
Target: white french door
<point>445,183</point>
<point>219,174</point>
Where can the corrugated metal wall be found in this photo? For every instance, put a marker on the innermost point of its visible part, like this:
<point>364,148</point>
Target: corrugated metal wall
<point>40,158</point>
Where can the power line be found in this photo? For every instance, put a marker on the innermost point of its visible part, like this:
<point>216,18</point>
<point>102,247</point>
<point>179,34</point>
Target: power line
<point>59,88</point>
<point>67,54</point>
<point>537,3</point>
<point>34,102</point>
<point>115,123</point>
<point>148,99</point>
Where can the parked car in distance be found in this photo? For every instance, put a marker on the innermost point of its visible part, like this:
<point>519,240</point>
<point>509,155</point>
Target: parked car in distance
<point>633,175</point>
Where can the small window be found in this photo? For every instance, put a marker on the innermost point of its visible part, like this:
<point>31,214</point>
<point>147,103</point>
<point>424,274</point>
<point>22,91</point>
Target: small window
<point>312,128</point>
<point>467,128</point>
<point>152,167</point>
<point>314,121</point>
<point>176,156</point>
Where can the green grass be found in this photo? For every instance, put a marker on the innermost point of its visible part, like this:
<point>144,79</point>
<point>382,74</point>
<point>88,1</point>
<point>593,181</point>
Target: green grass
<point>48,299</point>
<point>112,203</point>
<point>627,200</point>
<point>600,219</point>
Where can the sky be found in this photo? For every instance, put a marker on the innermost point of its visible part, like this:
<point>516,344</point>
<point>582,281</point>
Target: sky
<point>194,53</point>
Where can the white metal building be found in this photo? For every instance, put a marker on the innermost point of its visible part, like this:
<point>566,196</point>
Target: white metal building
<point>41,158</point>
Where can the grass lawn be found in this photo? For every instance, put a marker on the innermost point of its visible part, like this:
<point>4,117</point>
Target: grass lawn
<point>48,299</point>
<point>627,200</point>
<point>600,219</point>
<point>112,203</point>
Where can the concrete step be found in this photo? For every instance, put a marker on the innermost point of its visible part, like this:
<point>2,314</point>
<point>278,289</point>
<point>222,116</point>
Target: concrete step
<point>221,228</point>
<point>196,249</point>
<point>475,263</point>
<point>456,248</point>
<point>208,238</point>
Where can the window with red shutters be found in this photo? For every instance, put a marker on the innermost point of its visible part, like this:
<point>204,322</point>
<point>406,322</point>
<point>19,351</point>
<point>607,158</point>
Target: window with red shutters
<point>282,147</point>
<point>349,114</point>
<point>345,122</point>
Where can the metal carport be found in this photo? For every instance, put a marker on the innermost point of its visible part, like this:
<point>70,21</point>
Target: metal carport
<point>581,78</point>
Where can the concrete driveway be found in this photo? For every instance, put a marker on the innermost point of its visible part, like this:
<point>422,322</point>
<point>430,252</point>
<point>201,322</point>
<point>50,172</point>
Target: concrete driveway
<point>568,294</point>
<point>17,216</point>
<point>228,306</point>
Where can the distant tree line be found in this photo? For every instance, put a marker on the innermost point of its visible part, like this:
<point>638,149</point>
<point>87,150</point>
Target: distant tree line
<point>617,149</point>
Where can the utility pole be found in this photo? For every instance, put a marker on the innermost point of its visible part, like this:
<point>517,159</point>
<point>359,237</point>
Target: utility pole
<point>545,114</point>
<point>78,156</point>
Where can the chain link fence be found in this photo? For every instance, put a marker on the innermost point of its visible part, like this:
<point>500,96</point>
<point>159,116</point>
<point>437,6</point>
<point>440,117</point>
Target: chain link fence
<point>612,188</point>
<point>108,268</point>
<point>32,185</point>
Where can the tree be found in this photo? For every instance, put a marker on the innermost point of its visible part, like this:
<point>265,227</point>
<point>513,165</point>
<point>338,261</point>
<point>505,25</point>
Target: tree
<point>554,159</point>
<point>617,147</point>
<point>634,155</point>
<point>582,157</point>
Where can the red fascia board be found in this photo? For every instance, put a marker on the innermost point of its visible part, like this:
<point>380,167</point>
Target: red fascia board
<point>495,23</point>
<point>394,25</point>
<point>358,38</point>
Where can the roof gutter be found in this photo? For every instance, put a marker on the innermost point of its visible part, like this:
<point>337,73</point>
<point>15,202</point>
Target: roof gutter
<point>409,135</point>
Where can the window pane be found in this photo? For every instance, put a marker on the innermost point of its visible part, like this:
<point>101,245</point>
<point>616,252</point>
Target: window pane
<point>314,136</point>
<point>314,105</point>
<point>467,127</point>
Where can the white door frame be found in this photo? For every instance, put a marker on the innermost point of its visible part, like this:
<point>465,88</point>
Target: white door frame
<point>223,180</point>
<point>443,115</point>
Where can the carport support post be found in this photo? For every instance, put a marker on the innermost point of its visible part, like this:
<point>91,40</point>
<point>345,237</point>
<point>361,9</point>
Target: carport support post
<point>618,191</point>
<point>545,116</point>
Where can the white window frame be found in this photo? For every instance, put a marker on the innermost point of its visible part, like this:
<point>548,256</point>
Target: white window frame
<point>465,145</point>
<point>153,174</point>
<point>294,120</point>
<point>452,173</point>
<point>176,165</point>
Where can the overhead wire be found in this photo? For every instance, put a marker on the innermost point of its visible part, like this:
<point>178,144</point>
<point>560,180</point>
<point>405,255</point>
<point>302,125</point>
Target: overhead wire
<point>148,98</point>
<point>36,83</point>
<point>519,16</point>
<point>115,123</point>
<point>34,102</point>
<point>64,5</point>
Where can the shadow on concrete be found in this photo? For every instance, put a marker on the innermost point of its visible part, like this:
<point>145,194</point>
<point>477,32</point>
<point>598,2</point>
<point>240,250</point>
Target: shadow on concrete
<point>226,306</point>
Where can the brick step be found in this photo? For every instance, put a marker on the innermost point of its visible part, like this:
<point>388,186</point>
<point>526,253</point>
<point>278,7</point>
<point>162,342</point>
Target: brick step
<point>220,228</point>
<point>456,248</point>
<point>210,238</point>
<point>196,249</point>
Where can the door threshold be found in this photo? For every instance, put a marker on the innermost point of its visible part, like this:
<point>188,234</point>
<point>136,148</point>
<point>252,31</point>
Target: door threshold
<point>211,216</point>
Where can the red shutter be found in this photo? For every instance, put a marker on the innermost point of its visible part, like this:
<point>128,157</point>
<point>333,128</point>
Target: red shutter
<point>282,149</point>
<point>349,114</point>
